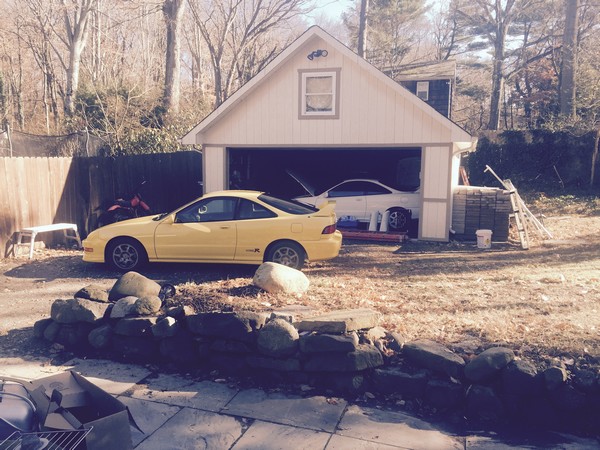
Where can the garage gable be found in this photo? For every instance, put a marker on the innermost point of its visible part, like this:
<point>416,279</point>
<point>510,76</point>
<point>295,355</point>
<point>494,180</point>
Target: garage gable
<point>319,92</point>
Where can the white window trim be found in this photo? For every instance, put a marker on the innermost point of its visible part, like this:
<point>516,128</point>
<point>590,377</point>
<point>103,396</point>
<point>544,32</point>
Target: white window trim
<point>334,113</point>
<point>423,88</point>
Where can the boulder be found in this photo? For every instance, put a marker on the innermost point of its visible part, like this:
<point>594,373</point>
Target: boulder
<point>554,377</point>
<point>40,326</point>
<point>278,338</point>
<point>276,278</point>
<point>135,348</point>
<point>389,380</point>
<point>93,292</point>
<point>123,307</point>
<point>51,331</point>
<point>181,349</point>
<point>77,310</point>
<point>135,326</point>
<point>146,306</point>
<point>341,321</point>
<point>166,327</point>
<point>279,364</point>
<point>364,357</point>
<point>132,283</point>
<point>324,343</point>
<point>444,393</point>
<point>520,377</point>
<point>100,337</point>
<point>483,404</point>
<point>488,363</point>
<point>431,355</point>
<point>227,325</point>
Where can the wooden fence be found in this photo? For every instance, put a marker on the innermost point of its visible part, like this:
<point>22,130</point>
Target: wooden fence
<point>41,191</point>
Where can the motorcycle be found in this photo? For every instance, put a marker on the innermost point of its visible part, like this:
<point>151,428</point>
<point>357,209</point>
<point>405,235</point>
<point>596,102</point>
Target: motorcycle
<point>123,208</point>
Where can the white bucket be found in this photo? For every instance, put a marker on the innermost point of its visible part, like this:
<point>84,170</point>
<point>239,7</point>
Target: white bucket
<point>484,238</point>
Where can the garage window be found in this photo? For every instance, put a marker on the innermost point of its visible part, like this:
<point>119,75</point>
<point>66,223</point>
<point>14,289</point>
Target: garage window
<point>319,94</point>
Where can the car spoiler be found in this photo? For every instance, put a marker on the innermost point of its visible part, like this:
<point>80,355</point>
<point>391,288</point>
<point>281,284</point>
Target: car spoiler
<point>326,208</point>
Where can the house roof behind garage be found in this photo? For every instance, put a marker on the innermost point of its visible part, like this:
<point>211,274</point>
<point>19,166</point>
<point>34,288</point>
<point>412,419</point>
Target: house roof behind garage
<point>374,109</point>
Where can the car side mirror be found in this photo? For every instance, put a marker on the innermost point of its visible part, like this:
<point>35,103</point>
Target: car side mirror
<point>171,218</point>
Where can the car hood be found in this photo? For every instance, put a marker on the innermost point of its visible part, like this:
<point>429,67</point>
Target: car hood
<point>307,185</point>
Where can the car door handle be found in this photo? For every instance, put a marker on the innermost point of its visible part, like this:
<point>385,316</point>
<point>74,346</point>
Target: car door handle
<point>224,227</point>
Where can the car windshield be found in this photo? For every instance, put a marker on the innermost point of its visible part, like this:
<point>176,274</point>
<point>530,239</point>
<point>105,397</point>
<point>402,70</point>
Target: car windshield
<point>288,206</point>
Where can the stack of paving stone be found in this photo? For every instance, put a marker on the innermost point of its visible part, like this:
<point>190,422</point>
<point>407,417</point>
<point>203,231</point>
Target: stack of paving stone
<point>480,208</point>
<point>346,351</point>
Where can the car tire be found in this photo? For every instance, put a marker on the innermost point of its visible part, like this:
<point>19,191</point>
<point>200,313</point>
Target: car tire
<point>126,254</point>
<point>399,219</point>
<point>287,253</point>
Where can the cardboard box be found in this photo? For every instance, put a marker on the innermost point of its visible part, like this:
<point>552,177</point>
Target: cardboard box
<point>67,401</point>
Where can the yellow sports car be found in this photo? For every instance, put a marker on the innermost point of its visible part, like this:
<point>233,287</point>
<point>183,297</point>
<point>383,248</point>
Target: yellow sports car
<point>244,227</point>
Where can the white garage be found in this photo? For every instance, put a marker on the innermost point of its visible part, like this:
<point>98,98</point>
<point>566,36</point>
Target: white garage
<point>320,109</point>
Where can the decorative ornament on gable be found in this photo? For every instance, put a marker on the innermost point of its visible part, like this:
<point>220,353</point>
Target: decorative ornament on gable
<point>317,54</point>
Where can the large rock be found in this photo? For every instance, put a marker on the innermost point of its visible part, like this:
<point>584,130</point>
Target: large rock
<point>146,306</point>
<point>181,349</point>
<point>135,326</point>
<point>554,377</point>
<point>132,283</point>
<point>364,357</point>
<point>483,404</point>
<point>77,310</point>
<point>135,348</point>
<point>488,363</point>
<point>276,278</point>
<point>100,337</point>
<point>165,327</point>
<point>431,355</point>
<point>341,321</point>
<point>278,338</point>
<point>40,326</point>
<point>238,326</point>
<point>391,380</point>
<point>444,393</point>
<point>279,364</point>
<point>123,307</point>
<point>520,377</point>
<point>325,343</point>
<point>93,292</point>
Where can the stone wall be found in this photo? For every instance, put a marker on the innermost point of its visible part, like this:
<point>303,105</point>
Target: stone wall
<point>345,351</point>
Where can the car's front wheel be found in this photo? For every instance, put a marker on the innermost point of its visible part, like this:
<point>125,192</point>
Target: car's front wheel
<point>399,219</point>
<point>287,253</point>
<point>126,254</point>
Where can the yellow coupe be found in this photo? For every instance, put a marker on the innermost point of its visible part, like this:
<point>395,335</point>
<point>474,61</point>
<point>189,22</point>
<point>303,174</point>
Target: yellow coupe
<point>242,227</point>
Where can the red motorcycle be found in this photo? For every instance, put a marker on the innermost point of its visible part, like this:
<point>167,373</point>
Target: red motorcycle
<point>123,208</point>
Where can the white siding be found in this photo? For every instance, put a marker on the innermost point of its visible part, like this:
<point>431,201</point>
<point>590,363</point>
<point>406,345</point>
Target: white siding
<point>372,111</point>
<point>435,183</point>
<point>213,163</point>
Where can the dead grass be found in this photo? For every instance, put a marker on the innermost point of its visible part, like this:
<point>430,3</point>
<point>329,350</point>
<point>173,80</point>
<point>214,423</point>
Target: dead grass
<point>543,302</point>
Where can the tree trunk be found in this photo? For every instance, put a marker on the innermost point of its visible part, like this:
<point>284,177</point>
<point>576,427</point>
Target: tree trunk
<point>568,85</point>
<point>497,84</point>
<point>77,32</point>
<point>362,29</point>
<point>594,158</point>
<point>173,12</point>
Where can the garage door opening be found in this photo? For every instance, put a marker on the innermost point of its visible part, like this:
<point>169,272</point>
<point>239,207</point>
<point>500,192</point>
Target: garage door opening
<point>270,170</point>
<point>267,169</point>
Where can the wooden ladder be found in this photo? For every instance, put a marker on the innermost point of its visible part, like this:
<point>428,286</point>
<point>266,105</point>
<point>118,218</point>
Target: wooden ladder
<point>519,215</point>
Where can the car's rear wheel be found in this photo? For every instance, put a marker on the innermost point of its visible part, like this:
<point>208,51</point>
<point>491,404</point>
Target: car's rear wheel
<point>287,253</point>
<point>126,254</point>
<point>399,219</point>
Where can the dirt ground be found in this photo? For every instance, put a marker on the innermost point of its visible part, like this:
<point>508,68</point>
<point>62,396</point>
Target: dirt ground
<point>544,302</point>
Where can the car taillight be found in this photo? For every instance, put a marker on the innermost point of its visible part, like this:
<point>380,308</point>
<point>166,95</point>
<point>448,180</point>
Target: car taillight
<point>329,229</point>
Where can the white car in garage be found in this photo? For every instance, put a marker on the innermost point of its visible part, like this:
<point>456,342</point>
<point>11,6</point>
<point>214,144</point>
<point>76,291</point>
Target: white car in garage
<point>360,198</point>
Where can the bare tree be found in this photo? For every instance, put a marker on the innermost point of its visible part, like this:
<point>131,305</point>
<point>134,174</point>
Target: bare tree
<point>569,60</point>
<point>77,15</point>
<point>173,14</point>
<point>362,28</point>
<point>231,27</point>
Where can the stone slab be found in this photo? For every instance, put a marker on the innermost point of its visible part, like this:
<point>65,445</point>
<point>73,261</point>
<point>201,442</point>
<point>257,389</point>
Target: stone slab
<point>338,442</point>
<point>395,428</point>
<point>178,391</point>
<point>27,369</point>
<point>115,378</point>
<point>148,416</point>
<point>546,441</point>
<point>265,435</point>
<point>192,429</point>
<point>340,321</point>
<point>316,413</point>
